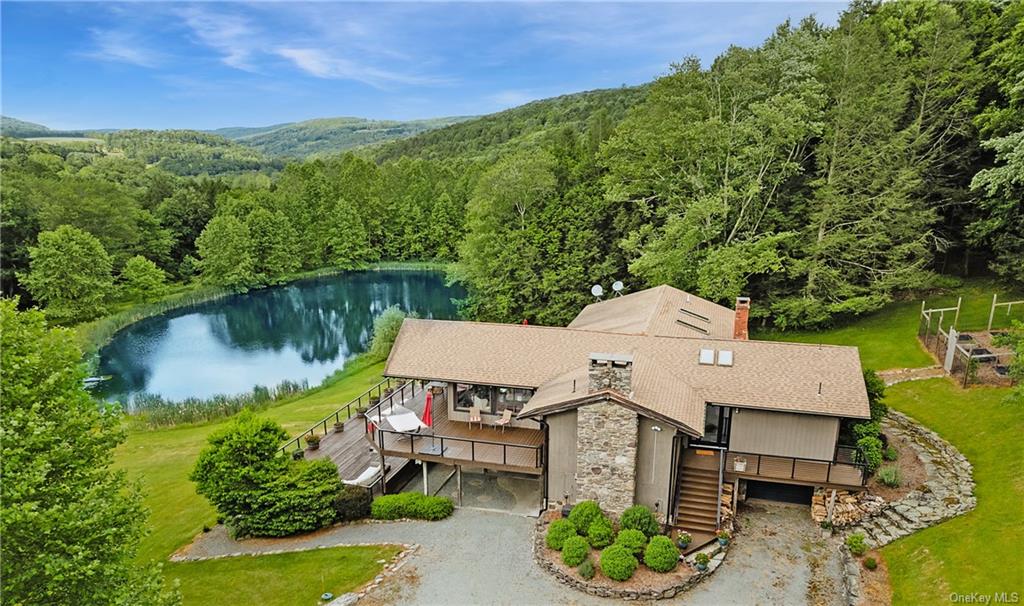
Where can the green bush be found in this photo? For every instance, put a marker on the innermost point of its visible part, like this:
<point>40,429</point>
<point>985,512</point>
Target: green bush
<point>583,515</point>
<point>413,505</point>
<point>639,517</point>
<point>855,543</point>
<point>617,563</point>
<point>385,331</point>
<point>872,449</point>
<point>890,454</point>
<point>601,533</point>
<point>352,503</point>
<point>870,563</point>
<point>575,549</point>
<point>866,429</point>
<point>587,570</point>
<point>558,532</point>
<point>661,554</point>
<point>632,539</point>
<point>890,476</point>
<point>876,394</point>
<point>259,493</point>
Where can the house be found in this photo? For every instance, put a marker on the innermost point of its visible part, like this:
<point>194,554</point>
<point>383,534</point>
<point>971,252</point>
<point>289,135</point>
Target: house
<point>656,397</point>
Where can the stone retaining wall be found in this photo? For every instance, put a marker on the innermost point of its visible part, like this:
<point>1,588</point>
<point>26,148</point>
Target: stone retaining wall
<point>948,492</point>
<point>714,551</point>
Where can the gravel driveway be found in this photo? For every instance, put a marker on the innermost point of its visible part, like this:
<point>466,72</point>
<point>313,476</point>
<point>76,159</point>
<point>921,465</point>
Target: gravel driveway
<point>479,557</point>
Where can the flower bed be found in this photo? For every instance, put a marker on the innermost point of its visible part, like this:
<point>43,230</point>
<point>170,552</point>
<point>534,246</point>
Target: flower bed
<point>643,584</point>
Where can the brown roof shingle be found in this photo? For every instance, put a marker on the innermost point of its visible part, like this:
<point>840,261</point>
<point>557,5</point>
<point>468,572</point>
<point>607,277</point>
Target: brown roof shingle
<point>662,311</point>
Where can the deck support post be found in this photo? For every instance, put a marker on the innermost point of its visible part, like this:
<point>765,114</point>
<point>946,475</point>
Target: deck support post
<point>458,483</point>
<point>426,491</point>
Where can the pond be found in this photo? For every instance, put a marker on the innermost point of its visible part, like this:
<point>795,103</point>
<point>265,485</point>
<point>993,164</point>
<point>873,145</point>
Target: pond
<point>302,331</point>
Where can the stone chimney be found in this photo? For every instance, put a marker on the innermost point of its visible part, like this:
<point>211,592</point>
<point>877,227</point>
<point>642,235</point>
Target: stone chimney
<point>611,371</point>
<point>739,330</point>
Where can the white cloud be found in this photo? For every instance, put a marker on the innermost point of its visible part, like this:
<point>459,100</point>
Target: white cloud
<point>231,35</point>
<point>322,64</point>
<point>121,47</point>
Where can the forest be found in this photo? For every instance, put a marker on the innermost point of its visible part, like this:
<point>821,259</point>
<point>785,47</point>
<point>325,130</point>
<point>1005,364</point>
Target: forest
<point>823,173</point>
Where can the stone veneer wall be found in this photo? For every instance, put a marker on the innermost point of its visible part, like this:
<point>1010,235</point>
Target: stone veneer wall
<point>606,443</point>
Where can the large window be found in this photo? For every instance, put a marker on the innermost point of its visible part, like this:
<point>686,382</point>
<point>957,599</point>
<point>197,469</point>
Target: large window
<point>491,400</point>
<point>716,426</point>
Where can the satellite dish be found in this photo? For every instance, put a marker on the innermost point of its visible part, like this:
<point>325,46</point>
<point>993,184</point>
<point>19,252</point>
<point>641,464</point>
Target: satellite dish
<point>618,286</point>
<point>596,290</point>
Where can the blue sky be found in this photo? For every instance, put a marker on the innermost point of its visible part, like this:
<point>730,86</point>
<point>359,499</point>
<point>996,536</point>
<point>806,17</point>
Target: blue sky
<point>209,65</point>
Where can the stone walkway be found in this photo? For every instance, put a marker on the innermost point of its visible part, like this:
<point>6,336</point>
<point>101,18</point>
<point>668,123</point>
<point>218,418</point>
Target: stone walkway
<point>902,375</point>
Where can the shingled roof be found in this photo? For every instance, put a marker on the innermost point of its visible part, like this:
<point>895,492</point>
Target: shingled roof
<point>661,311</point>
<point>668,379</point>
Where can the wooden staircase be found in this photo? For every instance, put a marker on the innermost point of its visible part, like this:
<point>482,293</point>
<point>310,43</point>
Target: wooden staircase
<point>697,501</point>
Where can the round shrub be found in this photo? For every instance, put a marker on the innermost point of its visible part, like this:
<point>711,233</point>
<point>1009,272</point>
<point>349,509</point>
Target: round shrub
<point>632,539</point>
<point>586,569</point>
<point>855,543</point>
<point>601,533</point>
<point>661,555</point>
<point>584,514</point>
<point>639,517</point>
<point>890,476</point>
<point>870,563</point>
<point>558,532</point>
<point>352,503</point>
<point>575,549</point>
<point>617,563</point>
<point>891,454</point>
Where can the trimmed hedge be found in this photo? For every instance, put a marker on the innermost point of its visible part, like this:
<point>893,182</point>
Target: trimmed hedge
<point>617,563</point>
<point>413,505</point>
<point>587,570</point>
<point>661,554</point>
<point>558,532</point>
<point>601,533</point>
<point>632,539</point>
<point>639,517</point>
<point>352,503</point>
<point>583,515</point>
<point>575,550</point>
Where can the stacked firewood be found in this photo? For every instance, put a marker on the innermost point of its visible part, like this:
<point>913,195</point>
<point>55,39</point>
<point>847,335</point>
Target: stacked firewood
<point>845,507</point>
<point>728,508</point>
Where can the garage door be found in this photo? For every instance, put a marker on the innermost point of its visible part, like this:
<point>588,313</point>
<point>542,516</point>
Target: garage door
<point>772,491</point>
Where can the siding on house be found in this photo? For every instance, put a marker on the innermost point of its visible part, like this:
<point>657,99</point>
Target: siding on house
<point>784,434</point>
<point>561,461</point>
<point>654,464</point>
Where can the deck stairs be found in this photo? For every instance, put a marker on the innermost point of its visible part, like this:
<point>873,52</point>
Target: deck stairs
<point>697,501</point>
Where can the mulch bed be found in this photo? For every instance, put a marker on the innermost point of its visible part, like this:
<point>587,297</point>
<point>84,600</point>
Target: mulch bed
<point>875,589</point>
<point>912,472</point>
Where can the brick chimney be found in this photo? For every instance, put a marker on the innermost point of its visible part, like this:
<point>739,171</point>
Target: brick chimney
<point>611,371</point>
<point>739,330</point>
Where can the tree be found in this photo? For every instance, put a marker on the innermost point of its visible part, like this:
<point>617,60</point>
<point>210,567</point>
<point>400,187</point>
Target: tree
<point>225,252</point>
<point>70,272</point>
<point>142,280</point>
<point>259,491</point>
<point>274,245</point>
<point>70,523</point>
<point>1001,226</point>
<point>346,237</point>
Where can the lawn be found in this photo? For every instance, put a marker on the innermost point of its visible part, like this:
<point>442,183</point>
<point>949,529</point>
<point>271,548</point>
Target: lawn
<point>279,580</point>
<point>161,461</point>
<point>888,338</point>
<point>980,551</point>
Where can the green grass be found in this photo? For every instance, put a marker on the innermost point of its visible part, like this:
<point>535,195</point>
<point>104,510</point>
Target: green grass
<point>162,459</point>
<point>888,338</point>
<point>279,580</point>
<point>980,551</point>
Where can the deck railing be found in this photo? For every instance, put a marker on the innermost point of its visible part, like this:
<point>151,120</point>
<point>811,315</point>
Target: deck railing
<point>799,468</point>
<point>534,453</point>
<point>341,415</point>
<point>396,397</point>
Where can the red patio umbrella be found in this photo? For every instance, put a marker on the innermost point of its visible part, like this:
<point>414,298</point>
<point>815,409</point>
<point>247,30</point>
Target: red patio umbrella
<point>428,410</point>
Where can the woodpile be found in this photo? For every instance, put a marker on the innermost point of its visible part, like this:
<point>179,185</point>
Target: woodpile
<point>728,507</point>
<point>842,507</point>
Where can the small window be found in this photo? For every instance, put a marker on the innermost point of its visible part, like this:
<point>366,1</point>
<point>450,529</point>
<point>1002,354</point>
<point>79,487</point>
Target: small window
<point>725,357</point>
<point>707,357</point>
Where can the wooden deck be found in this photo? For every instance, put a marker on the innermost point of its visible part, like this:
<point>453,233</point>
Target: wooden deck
<point>795,471</point>
<point>458,443</point>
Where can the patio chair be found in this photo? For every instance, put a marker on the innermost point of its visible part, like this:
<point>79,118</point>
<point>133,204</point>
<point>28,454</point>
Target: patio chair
<point>475,416</point>
<point>506,418</point>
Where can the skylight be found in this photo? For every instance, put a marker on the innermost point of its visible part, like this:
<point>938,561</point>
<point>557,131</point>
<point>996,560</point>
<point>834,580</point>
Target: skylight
<point>707,357</point>
<point>725,357</point>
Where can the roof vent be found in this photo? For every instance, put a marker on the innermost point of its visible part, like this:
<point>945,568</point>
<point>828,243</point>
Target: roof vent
<point>725,357</point>
<point>707,357</point>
